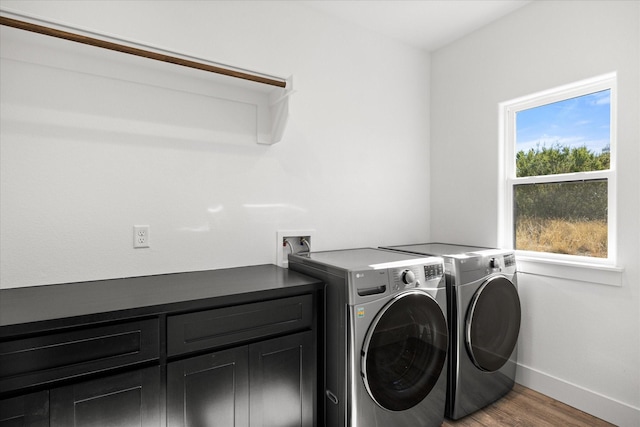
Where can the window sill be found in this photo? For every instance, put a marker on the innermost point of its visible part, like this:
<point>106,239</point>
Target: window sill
<point>582,272</point>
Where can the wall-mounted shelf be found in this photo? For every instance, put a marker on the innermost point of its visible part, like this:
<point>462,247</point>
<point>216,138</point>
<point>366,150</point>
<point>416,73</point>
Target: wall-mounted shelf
<point>269,95</point>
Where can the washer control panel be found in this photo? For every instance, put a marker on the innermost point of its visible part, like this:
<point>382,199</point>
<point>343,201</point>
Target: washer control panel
<point>434,271</point>
<point>417,276</point>
<point>370,284</point>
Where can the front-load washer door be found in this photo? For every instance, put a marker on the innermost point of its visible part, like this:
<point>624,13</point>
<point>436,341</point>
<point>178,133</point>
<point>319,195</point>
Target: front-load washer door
<point>404,351</point>
<point>493,323</point>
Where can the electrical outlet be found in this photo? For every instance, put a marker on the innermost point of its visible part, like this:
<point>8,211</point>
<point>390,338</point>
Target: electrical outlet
<point>292,241</point>
<point>140,236</point>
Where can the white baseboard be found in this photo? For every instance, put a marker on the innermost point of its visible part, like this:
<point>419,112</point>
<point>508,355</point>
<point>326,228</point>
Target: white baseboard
<point>610,410</point>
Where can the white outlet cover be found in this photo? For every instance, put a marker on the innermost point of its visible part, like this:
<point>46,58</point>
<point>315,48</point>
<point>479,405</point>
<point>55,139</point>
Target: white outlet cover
<point>141,236</point>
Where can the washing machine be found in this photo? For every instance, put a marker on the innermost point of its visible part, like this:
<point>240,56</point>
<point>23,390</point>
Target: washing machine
<point>386,336</point>
<point>484,323</point>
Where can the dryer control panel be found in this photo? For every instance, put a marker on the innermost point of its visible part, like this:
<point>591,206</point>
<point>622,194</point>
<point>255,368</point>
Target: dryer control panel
<point>505,263</point>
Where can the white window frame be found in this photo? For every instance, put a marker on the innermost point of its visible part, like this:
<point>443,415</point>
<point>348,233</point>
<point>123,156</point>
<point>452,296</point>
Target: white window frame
<point>590,269</point>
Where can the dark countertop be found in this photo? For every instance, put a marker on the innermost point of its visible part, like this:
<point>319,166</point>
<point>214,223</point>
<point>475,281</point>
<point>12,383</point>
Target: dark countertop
<point>39,308</point>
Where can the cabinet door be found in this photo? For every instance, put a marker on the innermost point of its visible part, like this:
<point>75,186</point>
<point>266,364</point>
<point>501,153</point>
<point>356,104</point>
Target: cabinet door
<point>124,400</point>
<point>210,390</point>
<point>30,410</point>
<point>283,381</point>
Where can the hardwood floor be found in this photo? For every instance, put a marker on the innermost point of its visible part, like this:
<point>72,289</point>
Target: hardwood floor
<point>525,407</point>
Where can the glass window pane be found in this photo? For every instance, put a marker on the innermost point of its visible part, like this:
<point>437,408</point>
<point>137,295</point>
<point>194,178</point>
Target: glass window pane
<point>572,135</point>
<point>563,218</point>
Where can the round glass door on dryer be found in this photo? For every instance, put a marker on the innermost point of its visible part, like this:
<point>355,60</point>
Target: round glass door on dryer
<point>483,341</point>
<point>493,324</point>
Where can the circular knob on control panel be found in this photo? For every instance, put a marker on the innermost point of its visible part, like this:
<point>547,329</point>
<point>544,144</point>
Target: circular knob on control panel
<point>493,263</point>
<point>408,277</point>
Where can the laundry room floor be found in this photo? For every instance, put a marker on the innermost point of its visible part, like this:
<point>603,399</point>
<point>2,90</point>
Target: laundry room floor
<point>525,407</point>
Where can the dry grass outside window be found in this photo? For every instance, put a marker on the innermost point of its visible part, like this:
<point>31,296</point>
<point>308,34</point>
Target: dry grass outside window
<point>584,238</point>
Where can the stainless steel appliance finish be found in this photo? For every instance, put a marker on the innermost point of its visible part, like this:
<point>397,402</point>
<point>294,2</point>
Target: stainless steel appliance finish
<point>484,323</point>
<point>386,336</point>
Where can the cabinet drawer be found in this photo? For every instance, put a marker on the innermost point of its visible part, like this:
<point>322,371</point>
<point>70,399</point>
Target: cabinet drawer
<point>43,359</point>
<point>203,330</point>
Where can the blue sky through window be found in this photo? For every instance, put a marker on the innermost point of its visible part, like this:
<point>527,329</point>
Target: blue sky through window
<point>574,122</point>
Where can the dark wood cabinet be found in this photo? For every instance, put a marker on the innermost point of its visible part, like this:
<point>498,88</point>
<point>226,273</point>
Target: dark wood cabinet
<point>271,383</point>
<point>282,381</point>
<point>29,410</point>
<point>231,348</point>
<point>128,399</point>
<point>210,390</point>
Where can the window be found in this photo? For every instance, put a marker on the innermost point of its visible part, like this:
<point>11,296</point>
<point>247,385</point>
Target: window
<point>558,186</point>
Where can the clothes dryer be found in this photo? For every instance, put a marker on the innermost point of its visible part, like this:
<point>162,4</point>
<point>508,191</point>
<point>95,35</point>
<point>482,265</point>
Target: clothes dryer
<point>386,336</point>
<point>484,323</point>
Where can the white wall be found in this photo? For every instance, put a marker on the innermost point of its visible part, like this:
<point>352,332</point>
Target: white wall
<point>580,342</point>
<point>353,164</point>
